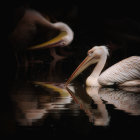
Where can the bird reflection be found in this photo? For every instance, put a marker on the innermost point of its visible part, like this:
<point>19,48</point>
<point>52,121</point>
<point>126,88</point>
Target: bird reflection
<point>101,117</point>
<point>36,101</point>
<point>98,116</point>
<point>26,103</point>
<point>127,99</point>
<point>33,104</point>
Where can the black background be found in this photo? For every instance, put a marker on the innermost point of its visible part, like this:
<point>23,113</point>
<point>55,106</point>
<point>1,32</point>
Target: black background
<point>94,23</point>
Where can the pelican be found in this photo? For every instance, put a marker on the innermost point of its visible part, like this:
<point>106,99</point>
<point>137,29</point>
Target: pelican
<point>64,37</point>
<point>34,31</point>
<point>32,21</point>
<point>123,73</point>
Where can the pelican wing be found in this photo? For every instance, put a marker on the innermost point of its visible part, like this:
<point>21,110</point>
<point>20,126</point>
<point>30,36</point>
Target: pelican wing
<point>125,70</point>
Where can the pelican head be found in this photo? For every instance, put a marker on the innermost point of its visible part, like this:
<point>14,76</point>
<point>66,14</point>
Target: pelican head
<point>64,28</point>
<point>64,37</point>
<point>94,55</point>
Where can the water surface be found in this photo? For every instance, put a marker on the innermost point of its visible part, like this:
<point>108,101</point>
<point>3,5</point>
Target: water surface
<point>41,107</point>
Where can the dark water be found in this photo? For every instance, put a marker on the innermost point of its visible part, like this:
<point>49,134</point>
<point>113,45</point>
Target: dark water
<point>35,101</point>
<point>39,106</point>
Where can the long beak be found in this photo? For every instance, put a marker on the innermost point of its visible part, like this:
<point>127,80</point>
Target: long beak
<point>85,63</point>
<point>51,43</point>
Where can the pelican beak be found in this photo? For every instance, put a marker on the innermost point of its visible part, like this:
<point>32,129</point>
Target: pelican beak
<point>85,64</point>
<point>56,41</point>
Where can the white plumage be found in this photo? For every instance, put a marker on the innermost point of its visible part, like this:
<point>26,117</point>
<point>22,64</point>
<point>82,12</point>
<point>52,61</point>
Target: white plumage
<point>123,73</point>
<point>125,70</point>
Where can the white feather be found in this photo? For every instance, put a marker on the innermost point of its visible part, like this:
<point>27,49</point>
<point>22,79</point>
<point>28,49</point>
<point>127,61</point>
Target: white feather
<point>125,70</point>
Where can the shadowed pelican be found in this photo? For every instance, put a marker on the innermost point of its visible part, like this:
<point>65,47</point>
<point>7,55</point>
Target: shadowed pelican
<point>34,31</point>
<point>123,73</point>
<point>57,34</point>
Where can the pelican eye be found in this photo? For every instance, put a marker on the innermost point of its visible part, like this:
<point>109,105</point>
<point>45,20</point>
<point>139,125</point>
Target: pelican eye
<point>90,53</point>
<point>62,43</point>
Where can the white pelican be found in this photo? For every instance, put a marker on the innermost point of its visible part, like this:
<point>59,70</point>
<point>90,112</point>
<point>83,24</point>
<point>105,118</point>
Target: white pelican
<point>64,37</point>
<point>123,73</point>
<point>57,34</point>
<point>34,31</point>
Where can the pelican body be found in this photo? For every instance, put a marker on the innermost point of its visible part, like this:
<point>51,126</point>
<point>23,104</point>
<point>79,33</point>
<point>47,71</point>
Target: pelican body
<point>123,73</point>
